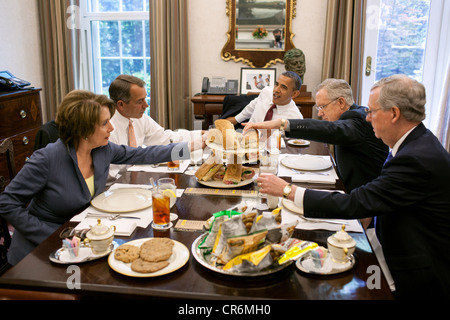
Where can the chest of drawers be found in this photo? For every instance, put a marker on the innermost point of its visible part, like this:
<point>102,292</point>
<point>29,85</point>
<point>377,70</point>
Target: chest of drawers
<point>20,120</point>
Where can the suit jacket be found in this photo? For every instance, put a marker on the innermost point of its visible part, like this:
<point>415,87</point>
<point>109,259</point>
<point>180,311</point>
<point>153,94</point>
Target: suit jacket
<point>411,198</point>
<point>359,154</point>
<point>48,133</point>
<point>55,189</point>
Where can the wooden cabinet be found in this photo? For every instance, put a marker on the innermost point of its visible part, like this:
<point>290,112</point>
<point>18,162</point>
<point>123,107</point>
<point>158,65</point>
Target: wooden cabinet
<point>20,120</point>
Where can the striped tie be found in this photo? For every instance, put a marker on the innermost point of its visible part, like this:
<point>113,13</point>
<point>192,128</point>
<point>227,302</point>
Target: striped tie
<point>131,135</point>
<point>269,113</point>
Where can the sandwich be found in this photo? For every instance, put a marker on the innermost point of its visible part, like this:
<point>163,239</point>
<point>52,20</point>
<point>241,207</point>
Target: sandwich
<point>247,173</point>
<point>205,168</point>
<point>251,139</point>
<point>212,171</point>
<point>233,174</point>
<point>214,136</point>
<point>230,139</point>
<point>219,175</point>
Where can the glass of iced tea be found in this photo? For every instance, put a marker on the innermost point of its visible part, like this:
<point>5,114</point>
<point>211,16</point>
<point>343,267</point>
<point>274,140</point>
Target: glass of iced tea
<point>173,165</point>
<point>161,209</point>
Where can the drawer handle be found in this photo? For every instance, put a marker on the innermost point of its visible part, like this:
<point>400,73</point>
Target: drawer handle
<point>23,114</point>
<point>25,140</point>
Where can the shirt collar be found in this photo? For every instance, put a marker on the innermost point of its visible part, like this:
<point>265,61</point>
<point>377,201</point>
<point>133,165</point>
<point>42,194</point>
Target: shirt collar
<point>400,141</point>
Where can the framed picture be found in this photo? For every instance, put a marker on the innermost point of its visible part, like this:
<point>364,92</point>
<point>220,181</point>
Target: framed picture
<point>254,80</point>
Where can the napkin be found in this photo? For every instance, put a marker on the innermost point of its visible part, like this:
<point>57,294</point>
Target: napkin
<point>162,168</point>
<point>314,178</point>
<point>124,227</point>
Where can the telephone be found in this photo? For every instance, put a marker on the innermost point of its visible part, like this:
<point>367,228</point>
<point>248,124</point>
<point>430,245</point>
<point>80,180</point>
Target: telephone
<point>9,81</point>
<point>219,85</point>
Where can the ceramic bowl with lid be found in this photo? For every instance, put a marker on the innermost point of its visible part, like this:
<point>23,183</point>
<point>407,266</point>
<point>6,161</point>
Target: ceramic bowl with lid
<point>100,237</point>
<point>341,245</point>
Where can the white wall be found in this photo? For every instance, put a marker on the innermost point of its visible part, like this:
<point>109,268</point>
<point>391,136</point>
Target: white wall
<point>20,49</point>
<point>208,24</point>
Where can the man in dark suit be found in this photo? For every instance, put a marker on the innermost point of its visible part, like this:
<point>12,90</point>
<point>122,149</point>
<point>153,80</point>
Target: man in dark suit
<point>410,197</point>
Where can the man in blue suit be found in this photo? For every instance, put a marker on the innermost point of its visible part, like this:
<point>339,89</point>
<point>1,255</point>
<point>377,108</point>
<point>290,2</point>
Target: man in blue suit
<point>411,196</point>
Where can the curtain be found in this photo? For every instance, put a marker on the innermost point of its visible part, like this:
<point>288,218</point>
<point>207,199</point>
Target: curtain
<point>344,43</point>
<point>60,45</point>
<point>443,129</point>
<point>170,71</point>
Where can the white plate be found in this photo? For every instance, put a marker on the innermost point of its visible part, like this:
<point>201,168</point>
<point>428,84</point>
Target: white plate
<point>290,205</point>
<point>123,200</point>
<point>299,142</point>
<point>180,255</point>
<point>306,264</point>
<point>308,163</point>
<point>85,254</point>
<point>221,185</point>
<point>199,256</point>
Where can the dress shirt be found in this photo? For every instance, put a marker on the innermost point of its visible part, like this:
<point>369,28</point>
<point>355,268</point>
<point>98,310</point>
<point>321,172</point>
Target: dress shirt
<point>147,132</point>
<point>257,109</point>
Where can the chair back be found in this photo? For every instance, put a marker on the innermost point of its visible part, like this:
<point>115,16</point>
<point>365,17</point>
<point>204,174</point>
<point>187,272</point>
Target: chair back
<point>6,148</point>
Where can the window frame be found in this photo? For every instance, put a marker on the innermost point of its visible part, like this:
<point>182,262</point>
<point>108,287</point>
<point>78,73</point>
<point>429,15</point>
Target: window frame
<point>90,78</point>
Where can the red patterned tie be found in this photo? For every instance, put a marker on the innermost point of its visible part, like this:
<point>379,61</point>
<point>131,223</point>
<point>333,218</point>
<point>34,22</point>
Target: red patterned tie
<point>269,113</point>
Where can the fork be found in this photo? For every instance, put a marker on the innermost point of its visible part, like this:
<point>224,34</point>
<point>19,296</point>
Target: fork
<point>319,173</point>
<point>109,217</point>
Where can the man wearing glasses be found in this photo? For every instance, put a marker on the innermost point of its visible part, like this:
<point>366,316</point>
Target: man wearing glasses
<point>359,154</point>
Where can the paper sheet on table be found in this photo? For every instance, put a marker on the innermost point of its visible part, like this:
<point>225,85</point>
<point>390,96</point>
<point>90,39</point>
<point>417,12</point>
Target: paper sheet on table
<point>161,169</point>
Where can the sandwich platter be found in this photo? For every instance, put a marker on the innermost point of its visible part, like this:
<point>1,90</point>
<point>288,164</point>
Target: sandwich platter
<point>220,184</point>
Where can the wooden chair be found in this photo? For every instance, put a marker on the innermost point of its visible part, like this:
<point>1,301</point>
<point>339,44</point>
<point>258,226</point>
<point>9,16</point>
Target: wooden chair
<point>6,148</point>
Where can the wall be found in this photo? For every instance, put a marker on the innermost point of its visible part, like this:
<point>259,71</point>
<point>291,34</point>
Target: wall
<point>208,24</point>
<point>20,51</point>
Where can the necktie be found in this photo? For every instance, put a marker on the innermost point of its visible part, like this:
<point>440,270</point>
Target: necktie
<point>131,135</point>
<point>269,113</point>
<point>389,157</point>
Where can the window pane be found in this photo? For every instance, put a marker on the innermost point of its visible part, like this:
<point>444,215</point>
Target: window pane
<point>147,39</point>
<point>110,69</point>
<point>134,67</point>
<point>104,6</point>
<point>402,38</point>
<point>132,5</point>
<point>132,41</point>
<point>109,38</point>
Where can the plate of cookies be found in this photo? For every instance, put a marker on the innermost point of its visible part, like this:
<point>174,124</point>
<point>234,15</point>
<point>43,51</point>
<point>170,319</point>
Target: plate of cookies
<point>148,257</point>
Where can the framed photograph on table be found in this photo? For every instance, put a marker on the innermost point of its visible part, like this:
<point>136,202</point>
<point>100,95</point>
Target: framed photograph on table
<point>254,80</point>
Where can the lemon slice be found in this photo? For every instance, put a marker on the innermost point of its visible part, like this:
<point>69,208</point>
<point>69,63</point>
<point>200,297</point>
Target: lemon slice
<point>173,197</point>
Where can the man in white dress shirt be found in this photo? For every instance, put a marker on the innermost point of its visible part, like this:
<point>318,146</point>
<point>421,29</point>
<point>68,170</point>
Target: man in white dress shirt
<point>129,94</point>
<point>287,87</point>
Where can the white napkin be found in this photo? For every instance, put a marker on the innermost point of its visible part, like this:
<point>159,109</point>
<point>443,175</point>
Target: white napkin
<point>124,227</point>
<point>314,178</point>
<point>162,168</point>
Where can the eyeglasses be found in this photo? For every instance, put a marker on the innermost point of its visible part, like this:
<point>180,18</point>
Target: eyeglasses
<point>370,112</point>
<point>322,108</point>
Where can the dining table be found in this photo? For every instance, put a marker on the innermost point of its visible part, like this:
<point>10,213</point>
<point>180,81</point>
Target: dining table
<point>193,281</point>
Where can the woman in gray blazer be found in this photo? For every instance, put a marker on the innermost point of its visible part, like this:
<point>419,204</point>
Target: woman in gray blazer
<point>60,180</point>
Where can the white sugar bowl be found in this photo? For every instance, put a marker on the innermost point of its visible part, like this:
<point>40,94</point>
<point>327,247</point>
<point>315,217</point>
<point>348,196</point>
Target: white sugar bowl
<point>100,237</point>
<point>341,245</point>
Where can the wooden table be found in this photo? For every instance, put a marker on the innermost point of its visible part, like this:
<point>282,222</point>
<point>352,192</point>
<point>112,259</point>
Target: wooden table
<point>206,106</point>
<point>193,281</point>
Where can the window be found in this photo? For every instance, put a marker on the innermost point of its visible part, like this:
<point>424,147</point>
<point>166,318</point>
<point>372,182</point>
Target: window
<point>118,41</point>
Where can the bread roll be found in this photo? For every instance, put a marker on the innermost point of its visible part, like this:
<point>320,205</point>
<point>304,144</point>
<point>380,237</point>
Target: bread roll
<point>230,140</point>
<point>214,136</point>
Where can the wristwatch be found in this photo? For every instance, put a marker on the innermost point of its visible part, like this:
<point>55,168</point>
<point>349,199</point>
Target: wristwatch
<point>287,190</point>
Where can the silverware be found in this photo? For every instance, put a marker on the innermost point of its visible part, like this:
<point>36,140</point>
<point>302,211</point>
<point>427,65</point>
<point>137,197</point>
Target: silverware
<point>310,172</point>
<point>110,216</point>
<point>158,164</point>
<point>322,221</point>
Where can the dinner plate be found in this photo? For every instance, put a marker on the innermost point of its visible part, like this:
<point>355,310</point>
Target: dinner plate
<point>85,254</point>
<point>123,200</point>
<point>299,142</point>
<point>221,185</point>
<point>306,265</point>
<point>180,255</point>
<point>199,255</point>
<point>308,163</point>
<point>290,205</point>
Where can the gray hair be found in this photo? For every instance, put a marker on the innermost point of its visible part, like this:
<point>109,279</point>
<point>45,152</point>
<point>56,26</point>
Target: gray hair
<point>405,93</point>
<point>335,89</point>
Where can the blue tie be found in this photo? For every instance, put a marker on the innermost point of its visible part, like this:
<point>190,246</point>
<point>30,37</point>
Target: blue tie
<point>389,157</point>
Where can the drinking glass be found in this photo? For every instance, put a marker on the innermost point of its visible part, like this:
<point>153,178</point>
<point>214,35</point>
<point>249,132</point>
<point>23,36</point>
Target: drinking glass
<point>161,209</point>
<point>169,183</point>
